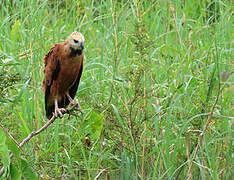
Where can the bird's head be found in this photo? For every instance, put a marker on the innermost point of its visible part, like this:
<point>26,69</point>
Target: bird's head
<point>76,41</point>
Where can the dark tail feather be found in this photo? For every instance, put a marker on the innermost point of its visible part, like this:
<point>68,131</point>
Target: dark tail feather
<point>49,111</point>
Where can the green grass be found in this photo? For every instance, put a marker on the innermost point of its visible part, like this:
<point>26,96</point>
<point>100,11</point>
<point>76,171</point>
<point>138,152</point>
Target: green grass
<point>152,75</point>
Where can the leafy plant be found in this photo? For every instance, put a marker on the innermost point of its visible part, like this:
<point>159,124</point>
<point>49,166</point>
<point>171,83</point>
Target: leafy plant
<point>153,71</point>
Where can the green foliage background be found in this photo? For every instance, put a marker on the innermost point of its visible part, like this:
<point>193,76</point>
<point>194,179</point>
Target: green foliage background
<point>152,74</point>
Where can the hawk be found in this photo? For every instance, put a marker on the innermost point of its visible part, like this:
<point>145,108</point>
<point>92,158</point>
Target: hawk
<point>63,70</point>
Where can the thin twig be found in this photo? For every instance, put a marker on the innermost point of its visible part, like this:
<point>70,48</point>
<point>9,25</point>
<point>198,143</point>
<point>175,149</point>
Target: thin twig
<point>201,137</point>
<point>34,133</point>
<point>10,136</point>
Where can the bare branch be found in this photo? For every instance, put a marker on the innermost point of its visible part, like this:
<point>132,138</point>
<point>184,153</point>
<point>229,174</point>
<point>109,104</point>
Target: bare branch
<point>9,135</point>
<point>34,133</point>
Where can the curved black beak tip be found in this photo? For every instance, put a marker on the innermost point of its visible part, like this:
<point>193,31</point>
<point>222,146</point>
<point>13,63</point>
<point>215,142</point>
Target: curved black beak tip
<point>82,45</point>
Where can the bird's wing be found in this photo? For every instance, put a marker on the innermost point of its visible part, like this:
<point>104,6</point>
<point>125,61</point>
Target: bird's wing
<point>52,68</point>
<point>52,65</point>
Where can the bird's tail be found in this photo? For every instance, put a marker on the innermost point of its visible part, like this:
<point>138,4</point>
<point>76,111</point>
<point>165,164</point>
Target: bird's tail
<point>49,111</point>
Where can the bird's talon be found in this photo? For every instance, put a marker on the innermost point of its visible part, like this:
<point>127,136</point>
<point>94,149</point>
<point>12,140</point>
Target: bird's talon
<point>59,112</point>
<point>75,104</point>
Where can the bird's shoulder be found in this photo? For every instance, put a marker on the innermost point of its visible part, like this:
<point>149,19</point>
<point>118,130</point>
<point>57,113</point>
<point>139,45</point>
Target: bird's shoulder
<point>50,54</point>
<point>53,53</point>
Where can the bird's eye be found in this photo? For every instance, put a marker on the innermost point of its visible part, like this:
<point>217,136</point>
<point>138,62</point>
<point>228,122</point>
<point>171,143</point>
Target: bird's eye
<point>75,41</point>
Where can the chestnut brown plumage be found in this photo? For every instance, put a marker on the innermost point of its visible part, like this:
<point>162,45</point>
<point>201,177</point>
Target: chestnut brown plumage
<point>63,70</point>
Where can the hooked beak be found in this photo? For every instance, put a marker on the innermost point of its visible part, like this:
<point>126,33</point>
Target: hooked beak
<point>82,45</point>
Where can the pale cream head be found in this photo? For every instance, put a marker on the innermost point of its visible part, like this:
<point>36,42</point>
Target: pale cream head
<point>76,40</point>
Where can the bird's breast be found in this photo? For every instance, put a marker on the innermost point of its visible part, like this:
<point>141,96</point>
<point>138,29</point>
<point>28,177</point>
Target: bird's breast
<point>68,73</point>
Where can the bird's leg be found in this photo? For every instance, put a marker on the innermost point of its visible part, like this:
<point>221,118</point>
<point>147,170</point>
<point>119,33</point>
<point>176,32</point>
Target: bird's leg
<point>73,102</point>
<point>58,111</point>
